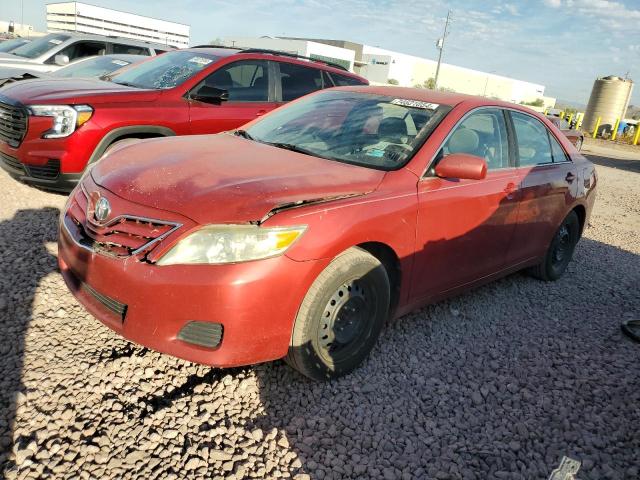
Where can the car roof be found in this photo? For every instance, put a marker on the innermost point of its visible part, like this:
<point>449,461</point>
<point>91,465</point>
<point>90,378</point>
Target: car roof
<point>110,38</point>
<point>434,96</point>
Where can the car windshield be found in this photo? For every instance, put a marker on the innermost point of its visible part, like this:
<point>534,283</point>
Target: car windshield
<point>9,45</point>
<point>93,67</point>
<point>40,46</point>
<point>370,130</point>
<point>165,71</point>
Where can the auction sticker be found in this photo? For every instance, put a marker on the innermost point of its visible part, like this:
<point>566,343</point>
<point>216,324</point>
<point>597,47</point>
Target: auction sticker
<point>414,103</point>
<point>119,62</point>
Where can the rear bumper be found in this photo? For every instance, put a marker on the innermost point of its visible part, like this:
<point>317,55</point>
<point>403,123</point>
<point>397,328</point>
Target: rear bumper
<point>255,302</point>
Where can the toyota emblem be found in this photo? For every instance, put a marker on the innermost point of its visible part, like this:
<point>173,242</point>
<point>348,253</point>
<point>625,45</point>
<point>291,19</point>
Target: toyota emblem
<point>103,209</point>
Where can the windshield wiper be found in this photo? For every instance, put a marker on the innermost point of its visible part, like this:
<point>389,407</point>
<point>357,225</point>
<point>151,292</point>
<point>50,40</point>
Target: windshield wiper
<point>243,134</point>
<point>128,84</point>
<point>297,149</point>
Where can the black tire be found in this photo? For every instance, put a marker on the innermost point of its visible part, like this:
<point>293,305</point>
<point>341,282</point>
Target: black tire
<point>341,316</point>
<point>560,251</point>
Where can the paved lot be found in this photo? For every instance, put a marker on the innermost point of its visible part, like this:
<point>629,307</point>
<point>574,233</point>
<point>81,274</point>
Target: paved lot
<point>499,383</point>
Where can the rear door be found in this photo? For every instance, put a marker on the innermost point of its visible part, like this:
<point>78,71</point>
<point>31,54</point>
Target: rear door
<point>548,183</point>
<point>296,81</point>
<point>464,226</point>
<point>251,93</point>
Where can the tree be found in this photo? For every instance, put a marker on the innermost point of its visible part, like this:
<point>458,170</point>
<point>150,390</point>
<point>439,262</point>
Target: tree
<point>538,102</point>
<point>430,83</point>
<point>393,81</point>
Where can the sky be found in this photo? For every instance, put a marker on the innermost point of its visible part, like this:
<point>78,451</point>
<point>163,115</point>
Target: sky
<point>562,44</point>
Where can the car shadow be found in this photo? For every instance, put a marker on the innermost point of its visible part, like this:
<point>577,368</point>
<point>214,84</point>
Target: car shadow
<point>23,240</point>
<point>620,164</point>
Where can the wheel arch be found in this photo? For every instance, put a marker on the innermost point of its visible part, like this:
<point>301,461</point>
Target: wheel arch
<point>132,131</point>
<point>390,261</point>
<point>581,211</point>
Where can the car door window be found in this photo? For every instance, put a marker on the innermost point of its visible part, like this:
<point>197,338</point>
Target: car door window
<point>532,139</point>
<point>246,81</point>
<point>297,80</point>
<point>344,81</point>
<point>557,151</point>
<point>80,50</point>
<point>483,134</point>
<point>129,49</point>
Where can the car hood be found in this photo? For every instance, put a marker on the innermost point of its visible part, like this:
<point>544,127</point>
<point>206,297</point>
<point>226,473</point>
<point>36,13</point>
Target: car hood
<point>75,90</point>
<point>226,179</point>
<point>18,72</point>
<point>10,59</point>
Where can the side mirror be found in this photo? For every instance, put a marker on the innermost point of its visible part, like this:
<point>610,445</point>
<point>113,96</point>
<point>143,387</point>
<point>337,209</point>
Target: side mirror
<point>210,95</point>
<point>61,60</point>
<point>462,165</point>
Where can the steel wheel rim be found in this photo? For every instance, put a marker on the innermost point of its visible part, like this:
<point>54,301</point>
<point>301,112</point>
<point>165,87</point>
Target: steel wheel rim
<point>346,320</point>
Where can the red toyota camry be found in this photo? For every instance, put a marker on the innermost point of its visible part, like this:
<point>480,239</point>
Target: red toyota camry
<point>299,235</point>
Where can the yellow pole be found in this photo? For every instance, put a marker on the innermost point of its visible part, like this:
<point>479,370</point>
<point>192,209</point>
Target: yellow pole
<point>637,135</point>
<point>580,118</point>
<point>561,115</point>
<point>570,118</point>
<point>615,129</point>
<point>595,130</point>
<point>546,111</point>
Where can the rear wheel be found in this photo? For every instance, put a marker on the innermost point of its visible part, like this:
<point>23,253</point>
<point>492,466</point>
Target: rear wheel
<point>579,143</point>
<point>341,316</point>
<point>560,252</point>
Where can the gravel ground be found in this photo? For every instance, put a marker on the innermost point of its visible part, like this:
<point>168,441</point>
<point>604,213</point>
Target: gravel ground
<point>499,383</point>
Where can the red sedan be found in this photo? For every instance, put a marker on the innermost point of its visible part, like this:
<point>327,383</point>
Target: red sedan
<point>301,234</point>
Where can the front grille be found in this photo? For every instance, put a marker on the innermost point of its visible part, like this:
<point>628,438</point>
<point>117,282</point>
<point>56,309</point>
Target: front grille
<point>50,171</point>
<point>120,309</point>
<point>123,236</point>
<point>13,124</point>
<point>12,164</point>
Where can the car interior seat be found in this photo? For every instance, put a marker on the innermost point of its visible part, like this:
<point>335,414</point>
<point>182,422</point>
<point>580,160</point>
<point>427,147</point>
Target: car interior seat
<point>464,140</point>
<point>393,130</point>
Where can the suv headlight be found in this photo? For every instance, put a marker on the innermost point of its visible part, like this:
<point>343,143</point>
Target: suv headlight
<point>66,118</point>
<point>217,244</point>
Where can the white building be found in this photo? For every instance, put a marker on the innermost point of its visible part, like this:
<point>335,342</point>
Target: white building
<point>19,29</point>
<point>85,18</point>
<point>306,48</point>
<point>381,67</point>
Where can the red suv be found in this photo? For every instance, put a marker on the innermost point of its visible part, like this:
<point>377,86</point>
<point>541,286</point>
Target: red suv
<point>51,129</point>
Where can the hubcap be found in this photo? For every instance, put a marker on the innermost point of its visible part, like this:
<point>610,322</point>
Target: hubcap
<point>344,319</point>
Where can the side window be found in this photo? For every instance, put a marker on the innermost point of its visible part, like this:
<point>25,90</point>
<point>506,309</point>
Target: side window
<point>483,134</point>
<point>557,151</point>
<point>80,50</point>
<point>298,80</point>
<point>533,140</point>
<point>129,49</point>
<point>344,81</point>
<point>246,81</point>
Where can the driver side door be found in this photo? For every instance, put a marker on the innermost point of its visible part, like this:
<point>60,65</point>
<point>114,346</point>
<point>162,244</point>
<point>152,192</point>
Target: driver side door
<point>464,227</point>
<point>249,84</point>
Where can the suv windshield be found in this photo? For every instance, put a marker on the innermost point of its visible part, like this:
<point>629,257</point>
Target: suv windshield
<point>93,67</point>
<point>40,46</point>
<point>364,129</point>
<point>165,71</point>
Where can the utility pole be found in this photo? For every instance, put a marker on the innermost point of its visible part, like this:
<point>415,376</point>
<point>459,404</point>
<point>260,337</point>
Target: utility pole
<point>440,47</point>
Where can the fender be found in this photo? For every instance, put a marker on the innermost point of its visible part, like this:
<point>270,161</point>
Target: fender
<point>117,133</point>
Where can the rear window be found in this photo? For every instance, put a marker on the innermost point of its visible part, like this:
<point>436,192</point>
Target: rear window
<point>344,80</point>
<point>129,49</point>
<point>41,46</point>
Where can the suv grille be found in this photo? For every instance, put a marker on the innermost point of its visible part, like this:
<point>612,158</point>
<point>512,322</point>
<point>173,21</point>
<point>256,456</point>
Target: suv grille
<point>13,124</point>
<point>123,236</point>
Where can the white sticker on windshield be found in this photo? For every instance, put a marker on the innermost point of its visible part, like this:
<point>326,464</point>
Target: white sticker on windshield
<point>415,104</point>
<point>119,62</point>
<point>55,41</point>
<point>200,60</point>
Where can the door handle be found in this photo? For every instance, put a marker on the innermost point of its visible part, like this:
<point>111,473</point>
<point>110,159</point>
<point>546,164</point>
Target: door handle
<point>260,113</point>
<point>570,177</point>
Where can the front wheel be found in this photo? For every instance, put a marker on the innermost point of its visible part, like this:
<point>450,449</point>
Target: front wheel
<point>340,317</point>
<point>560,251</point>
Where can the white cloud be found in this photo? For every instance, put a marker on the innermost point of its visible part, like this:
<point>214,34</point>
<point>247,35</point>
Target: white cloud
<point>553,3</point>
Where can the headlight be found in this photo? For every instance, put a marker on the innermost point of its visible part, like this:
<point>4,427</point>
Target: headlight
<point>216,244</point>
<point>65,118</point>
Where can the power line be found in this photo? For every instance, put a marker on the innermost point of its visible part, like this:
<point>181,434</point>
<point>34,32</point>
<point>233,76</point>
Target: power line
<point>440,46</point>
